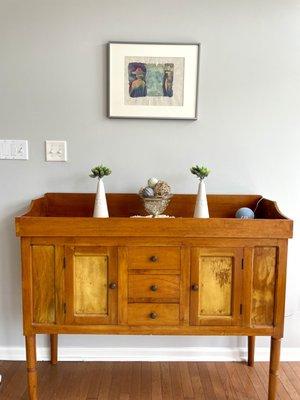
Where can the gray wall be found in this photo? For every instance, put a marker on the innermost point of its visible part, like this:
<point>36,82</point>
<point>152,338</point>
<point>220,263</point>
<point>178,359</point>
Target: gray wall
<point>52,86</point>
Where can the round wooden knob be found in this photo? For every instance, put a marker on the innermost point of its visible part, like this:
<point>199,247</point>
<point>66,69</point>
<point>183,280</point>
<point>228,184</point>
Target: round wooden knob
<point>153,315</point>
<point>153,258</point>
<point>153,288</point>
<point>195,287</point>
<point>112,285</point>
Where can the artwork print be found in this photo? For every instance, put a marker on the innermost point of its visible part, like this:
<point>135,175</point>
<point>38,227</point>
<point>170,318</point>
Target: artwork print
<point>150,79</point>
<point>154,81</point>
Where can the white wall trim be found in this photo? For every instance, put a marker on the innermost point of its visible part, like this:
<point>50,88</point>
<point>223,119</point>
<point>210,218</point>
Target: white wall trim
<point>150,354</point>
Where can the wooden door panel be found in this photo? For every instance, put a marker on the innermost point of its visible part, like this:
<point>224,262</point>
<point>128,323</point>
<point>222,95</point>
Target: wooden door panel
<point>91,285</point>
<point>90,291</point>
<point>215,278</point>
<point>43,284</point>
<point>263,286</point>
<point>216,283</point>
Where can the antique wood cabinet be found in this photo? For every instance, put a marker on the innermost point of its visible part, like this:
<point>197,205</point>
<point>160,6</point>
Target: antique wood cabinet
<point>176,276</point>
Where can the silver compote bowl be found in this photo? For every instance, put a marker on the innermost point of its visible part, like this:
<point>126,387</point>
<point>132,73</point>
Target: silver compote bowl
<point>156,205</point>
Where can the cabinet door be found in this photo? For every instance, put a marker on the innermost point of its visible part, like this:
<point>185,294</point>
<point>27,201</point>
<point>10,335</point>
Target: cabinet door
<point>91,285</point>
<point>216,282</point>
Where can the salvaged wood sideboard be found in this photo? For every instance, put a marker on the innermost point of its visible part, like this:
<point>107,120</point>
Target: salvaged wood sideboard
<point>175,276</point>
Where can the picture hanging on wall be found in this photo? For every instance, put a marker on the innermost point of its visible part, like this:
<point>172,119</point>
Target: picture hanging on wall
<point>153,80</point>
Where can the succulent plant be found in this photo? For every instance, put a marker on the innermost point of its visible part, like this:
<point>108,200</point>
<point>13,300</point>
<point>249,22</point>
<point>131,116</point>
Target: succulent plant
<point>200,172</point>
<point>100,171</point>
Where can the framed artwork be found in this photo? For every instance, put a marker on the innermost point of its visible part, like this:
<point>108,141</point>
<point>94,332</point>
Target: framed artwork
<point>153,80</point>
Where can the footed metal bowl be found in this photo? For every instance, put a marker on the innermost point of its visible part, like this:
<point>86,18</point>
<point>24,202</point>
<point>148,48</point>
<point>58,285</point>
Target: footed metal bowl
<point>156,205</point>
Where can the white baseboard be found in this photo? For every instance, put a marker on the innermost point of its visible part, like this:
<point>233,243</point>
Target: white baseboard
<point>150,354</point>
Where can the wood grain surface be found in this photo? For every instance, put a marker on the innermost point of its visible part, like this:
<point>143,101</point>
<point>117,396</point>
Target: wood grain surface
<point>43,273</point>
<point>165,314</point>
<point>264,279</point>
<point>91,285</point>
<point>153,288</point>
<point>152,257</point>
<point>90,289</point>
<point>215,285</point>
<point>149,381</point>
<point>63,214</point>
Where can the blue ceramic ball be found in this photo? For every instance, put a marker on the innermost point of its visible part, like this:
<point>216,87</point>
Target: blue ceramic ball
<point>244,213</point>
<point>148,192</point>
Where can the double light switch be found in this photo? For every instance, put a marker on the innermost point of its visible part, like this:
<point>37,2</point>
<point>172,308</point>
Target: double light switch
<point>56,150</point>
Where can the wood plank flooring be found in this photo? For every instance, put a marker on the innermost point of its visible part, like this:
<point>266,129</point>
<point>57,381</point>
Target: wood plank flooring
<point>149,381</point>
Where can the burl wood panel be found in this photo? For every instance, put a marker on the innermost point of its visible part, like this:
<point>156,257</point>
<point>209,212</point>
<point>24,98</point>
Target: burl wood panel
<point>147,288</point>
<point>215,285</point>
<point>43,280</point>
<point>90,276</point>
<point>263,292</point>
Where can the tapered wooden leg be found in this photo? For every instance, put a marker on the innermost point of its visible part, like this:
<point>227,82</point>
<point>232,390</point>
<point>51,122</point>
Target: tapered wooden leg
<point>274,367</point>
<point>53,347</point>
<point>251,350</point>
<point>31,367</point>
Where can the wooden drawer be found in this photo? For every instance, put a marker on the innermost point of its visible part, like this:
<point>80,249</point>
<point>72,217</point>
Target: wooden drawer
<point>154,257</point>
<point>153,288</point>
<point>153,314</point>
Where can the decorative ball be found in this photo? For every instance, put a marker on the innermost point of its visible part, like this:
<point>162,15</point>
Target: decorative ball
<point>162,189</point>
<point>244,213</point>
<point>141,191</point>
<point>152,182</point>
<point>147,192</point>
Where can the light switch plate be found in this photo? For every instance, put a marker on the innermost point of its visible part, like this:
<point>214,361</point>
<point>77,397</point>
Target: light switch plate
<point>13,149</point>
<point>56,150</point>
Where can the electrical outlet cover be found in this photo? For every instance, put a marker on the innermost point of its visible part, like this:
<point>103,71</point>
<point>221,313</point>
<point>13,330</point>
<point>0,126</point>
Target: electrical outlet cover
<point>56,150</point>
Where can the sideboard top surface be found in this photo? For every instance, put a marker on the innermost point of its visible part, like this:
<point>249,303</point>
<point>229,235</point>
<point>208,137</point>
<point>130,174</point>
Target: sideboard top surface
<point>70,214</point>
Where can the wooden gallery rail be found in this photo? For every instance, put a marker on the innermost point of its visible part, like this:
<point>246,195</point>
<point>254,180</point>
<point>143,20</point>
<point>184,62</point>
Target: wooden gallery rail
<point>180,276</point>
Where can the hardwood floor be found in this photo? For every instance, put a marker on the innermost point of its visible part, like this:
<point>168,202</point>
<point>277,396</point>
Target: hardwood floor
<point>149,381</point>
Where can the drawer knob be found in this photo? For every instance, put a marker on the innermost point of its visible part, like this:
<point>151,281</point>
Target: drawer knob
<point>153,258</point>
<point>195,287</point>
<point>153,315</point>
<point>153,288</point>
<point>113,285</point>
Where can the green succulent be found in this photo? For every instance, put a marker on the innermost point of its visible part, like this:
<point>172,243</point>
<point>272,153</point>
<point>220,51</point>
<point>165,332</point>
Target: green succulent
<point>200,172</point>
<point>100,171</point>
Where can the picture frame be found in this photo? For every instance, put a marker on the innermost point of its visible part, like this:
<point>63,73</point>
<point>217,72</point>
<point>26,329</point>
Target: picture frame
<point>153,80</point>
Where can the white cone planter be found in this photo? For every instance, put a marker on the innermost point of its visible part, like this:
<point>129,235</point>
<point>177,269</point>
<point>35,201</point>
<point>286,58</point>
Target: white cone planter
<point>100,208</point>
<point>201,207</point>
